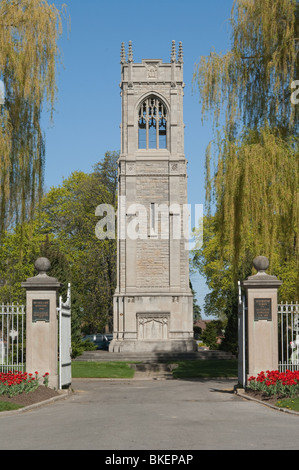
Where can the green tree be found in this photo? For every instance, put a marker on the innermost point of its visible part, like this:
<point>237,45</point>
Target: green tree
<point>252,192</point>
<point>196,307</point>
<point>60,267</point>
<point>29,30</point>
<point>211,334</point>
<point>256,200</point>
<point>68,214</point>
<point>106,171</point>
<point>63,230</point>
<point>14,267</point>
<point>252,82</point>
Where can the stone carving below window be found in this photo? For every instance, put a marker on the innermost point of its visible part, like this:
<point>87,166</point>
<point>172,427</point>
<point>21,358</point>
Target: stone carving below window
<point>152,326</point>
<point>131,168</point>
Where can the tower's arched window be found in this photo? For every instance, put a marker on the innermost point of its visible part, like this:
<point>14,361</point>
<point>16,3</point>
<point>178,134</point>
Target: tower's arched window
<point>152,120</point>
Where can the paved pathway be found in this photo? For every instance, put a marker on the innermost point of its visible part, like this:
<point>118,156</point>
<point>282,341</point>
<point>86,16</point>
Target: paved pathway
<point>145,414</point>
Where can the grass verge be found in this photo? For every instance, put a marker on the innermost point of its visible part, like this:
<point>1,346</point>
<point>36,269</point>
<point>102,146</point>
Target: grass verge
<point>289,403</point>
<point>186,369</point>
<point>6,406</point>
<point>102,370</point>
<point>206,369</point>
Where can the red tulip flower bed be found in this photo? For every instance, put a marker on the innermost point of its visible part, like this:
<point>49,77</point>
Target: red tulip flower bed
<point>275,383</point>
<point>14,383</point>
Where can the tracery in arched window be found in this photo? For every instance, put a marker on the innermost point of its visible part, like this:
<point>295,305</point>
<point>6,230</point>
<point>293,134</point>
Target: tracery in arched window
<point>152,121</point>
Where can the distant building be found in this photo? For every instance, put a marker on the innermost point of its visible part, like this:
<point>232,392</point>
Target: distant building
<point>202,324</point>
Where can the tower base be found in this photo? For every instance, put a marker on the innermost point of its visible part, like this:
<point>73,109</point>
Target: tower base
<point>175,346</point>
<point>149,323</point>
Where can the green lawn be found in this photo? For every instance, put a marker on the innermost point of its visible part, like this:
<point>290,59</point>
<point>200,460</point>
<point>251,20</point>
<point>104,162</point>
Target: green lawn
<point>186,369</point>
<point>289,403</point>
<point>206,369</point>
<point>6,406</point>
<point>113,370</point>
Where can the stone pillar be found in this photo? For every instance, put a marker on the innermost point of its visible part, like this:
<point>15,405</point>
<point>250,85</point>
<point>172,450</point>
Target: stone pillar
<point>262,329</point>
<point>42,323</point>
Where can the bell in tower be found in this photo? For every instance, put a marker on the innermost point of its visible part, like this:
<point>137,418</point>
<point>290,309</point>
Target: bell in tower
<point>153,303</point>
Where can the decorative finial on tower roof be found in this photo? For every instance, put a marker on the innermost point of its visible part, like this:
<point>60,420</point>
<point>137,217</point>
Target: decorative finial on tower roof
<point>180,60</point>
<point>122,53</point>
<point>130,53</point>
<point>173,52</point>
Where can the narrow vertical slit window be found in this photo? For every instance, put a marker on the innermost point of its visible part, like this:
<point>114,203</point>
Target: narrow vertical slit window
<point>153,219</point>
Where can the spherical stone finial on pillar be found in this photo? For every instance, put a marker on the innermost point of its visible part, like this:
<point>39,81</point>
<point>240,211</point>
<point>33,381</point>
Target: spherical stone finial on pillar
<point>42,265</point>
<point>261,264</point>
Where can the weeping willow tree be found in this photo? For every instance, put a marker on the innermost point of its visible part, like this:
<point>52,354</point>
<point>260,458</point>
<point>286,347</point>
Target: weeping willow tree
<point>29,30</point>
<point>257,199</point>
<point>252,82</point>
<point>254,186</point>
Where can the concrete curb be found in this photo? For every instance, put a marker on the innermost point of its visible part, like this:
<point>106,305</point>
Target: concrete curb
<point>241,393</point>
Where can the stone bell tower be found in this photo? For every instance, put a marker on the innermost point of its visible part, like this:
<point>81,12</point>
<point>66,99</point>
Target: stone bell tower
<point>153,304</point>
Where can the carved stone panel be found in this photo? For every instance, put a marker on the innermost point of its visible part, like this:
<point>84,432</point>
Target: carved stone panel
<point>152,69</point>
<point>152,72</point>
<point>131,168</point>
<point>153,326</point>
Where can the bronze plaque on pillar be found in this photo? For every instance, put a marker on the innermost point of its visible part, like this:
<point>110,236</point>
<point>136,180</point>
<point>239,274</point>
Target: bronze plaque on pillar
<point>40,310</point>
<point>262,309</point>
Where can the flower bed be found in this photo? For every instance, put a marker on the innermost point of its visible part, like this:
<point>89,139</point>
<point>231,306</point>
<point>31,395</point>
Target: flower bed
<point>275,383</point>
<point>14,383</point>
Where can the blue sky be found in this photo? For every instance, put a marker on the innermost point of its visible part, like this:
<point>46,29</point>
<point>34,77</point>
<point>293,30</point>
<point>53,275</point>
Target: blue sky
<point>88,109</point>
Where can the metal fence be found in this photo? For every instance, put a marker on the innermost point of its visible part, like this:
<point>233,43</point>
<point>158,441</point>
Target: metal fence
<point>65,341</point>
<point>242,309</point>
<point>12,331</point>
<point>288,330</point>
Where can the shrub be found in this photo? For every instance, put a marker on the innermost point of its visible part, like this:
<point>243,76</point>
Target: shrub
<point>80,346</point>
<point>211,334</point>
<point>197,332</point>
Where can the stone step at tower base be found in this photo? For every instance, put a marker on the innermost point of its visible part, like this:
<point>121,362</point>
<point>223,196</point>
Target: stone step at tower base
<point>153,358</point>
